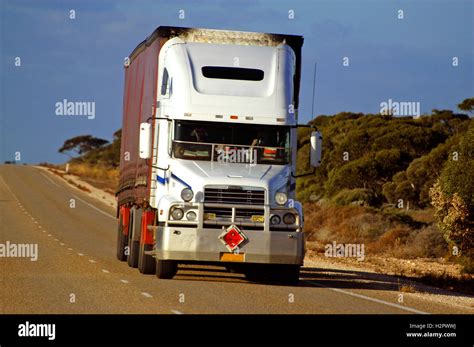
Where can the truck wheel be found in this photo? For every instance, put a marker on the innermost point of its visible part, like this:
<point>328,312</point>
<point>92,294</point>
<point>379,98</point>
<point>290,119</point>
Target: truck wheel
<point>134,245</point>
<point>133,252</point>
<point>146,263</point>
<point>122,241</point>
<point>166,269</point>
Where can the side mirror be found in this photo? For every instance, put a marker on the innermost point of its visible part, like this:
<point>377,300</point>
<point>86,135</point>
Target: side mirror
<point>316,147</point>
<point>144,148</point>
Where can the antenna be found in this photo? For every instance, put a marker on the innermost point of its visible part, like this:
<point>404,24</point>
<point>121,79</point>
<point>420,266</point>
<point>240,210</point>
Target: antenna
<point>314,91</point>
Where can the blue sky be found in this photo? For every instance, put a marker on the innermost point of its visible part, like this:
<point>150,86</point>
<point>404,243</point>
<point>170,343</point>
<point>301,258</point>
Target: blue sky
<point>406,59</point>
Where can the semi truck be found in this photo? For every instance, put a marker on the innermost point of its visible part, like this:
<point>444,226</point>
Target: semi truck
<point>208,154</point>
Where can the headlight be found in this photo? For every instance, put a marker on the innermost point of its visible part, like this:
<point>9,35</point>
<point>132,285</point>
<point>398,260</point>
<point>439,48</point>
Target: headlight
<point>177,213</point>
<point>289,218</point>
<point>191,216</point>
<point>187,194</point>
<point>281,198</point>
<point>275,219</point>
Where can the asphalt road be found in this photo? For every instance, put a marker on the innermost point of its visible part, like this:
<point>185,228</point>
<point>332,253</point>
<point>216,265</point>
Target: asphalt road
<point>77,271</point>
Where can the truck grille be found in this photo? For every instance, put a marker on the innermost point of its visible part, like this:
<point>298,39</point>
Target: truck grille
<point>234,196</point>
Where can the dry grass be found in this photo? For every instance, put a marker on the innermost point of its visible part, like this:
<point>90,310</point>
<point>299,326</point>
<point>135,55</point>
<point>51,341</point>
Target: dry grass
<point>96,172</point>
<point>393,233</point>
<point>407,288</point>
<point>79,186</point>
<point>461,283</point>
<point>62,174</point>
<point>424,216</point>
<point>104,178</point>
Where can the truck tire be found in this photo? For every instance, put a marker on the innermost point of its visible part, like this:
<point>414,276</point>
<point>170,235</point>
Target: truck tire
<point>166,269</point>
<point>146,263</point>
<point>134,245</point>
<point>122,241</point>
<point>133,253</point>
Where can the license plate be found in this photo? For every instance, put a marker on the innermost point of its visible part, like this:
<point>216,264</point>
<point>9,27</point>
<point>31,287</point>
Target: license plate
<point>233,257</point>
<point>258,219</point>
<point>209,216</point>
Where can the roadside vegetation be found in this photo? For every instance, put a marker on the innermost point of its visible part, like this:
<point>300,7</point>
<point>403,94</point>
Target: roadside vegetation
<point>404,187</point>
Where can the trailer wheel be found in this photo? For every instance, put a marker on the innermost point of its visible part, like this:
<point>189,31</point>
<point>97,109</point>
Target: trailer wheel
<point>166,269</point>
<point>146,263</point>
<point>122,241</point>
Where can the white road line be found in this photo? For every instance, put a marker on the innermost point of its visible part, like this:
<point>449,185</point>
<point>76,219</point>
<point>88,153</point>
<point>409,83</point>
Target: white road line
<point>92,261</point>
<point>360,296</point>
<point>176,312</point>
<point>50,180</point>
<point>49,235</point>
<point>95,208</point>
<point>62,244</point>
<point>106,271</point>
<point>80,254</point>
<point>70,249</point>
<point>147,295</point>
<point>56,240</point>
<point>124,281</point>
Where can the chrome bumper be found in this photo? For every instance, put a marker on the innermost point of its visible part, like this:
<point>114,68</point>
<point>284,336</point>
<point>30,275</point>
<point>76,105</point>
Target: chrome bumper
<point>185,244</point>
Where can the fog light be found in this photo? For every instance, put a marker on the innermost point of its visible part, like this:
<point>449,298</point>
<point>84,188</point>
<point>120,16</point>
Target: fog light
<point>275,219</point>
<point>187,194</point>
<point>289,218</point>
<point>281,198</point>
<point>177,214</point>
<point>191,216</point>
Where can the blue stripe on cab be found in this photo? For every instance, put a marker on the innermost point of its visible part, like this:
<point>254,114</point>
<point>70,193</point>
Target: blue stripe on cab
<point>180,180</point>
<point>161,180</point>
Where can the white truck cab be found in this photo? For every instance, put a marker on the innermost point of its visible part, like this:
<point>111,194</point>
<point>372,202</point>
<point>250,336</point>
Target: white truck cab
<point>222,151</point>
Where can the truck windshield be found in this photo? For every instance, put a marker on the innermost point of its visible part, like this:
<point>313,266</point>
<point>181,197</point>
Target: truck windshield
<point>232,142</point>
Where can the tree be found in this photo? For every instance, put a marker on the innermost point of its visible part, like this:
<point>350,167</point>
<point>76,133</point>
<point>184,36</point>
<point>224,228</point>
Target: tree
<point>82,145</point>
<point>467,105</point>
<point>453,199</point>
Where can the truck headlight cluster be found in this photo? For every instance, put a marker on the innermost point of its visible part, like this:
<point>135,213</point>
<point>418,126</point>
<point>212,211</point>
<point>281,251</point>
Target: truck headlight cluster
<point>177,213</point>
<point>281,198</point>
<point>191,216</point>
<point>275,219</point>
<point>187,194</point>
<point>289,218</point>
